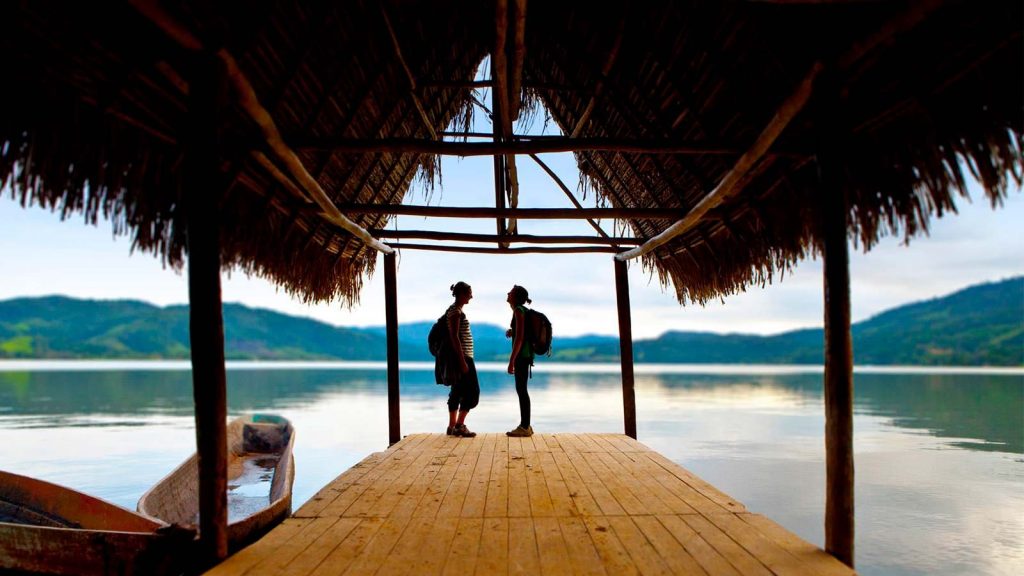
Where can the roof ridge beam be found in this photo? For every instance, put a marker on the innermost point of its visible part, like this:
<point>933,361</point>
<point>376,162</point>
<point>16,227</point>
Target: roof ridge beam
<point>247,100</point>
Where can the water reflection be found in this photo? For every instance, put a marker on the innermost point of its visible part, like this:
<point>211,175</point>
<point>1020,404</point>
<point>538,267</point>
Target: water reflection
<point>980,412</point>
<point>940,477</point>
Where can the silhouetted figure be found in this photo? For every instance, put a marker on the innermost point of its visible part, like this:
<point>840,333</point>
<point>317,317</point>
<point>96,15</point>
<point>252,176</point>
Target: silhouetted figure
<point>520,361</point>
<point>460,372</point>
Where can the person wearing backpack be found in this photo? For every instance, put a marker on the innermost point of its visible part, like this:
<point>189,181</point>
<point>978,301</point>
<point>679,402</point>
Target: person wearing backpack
<point>520,360</point>
<point>460,371</point>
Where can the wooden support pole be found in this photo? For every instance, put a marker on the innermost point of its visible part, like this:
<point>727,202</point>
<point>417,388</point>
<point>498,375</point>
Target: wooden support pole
<point>838,384</point>
<point>391,317</point>
<point>203,188</point>
<point>625,347</point>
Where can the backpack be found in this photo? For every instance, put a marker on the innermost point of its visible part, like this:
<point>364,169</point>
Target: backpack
<point>538,330</point>
<point>437,340</point>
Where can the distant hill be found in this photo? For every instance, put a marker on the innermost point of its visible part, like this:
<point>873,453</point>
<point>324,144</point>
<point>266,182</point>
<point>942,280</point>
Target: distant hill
<point>979,325</point>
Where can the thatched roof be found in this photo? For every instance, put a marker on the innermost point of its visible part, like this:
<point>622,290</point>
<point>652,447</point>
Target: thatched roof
<point>914,93</point>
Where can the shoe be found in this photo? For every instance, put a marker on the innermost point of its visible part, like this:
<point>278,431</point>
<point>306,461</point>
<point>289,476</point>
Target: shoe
<point>520,432</point>
<point>450,431</point>
<point>463,432</point>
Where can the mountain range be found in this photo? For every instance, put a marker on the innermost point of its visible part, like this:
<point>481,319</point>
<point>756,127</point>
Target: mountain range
<point>982,325</point>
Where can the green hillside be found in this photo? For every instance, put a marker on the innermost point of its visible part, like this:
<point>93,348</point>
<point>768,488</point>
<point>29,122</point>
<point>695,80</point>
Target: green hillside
<point>980,325</point>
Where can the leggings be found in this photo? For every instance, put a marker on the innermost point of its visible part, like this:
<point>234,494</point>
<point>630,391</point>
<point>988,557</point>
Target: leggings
<point>523,366</point>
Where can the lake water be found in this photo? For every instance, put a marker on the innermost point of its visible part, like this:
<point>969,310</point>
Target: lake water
<point>939,453</point>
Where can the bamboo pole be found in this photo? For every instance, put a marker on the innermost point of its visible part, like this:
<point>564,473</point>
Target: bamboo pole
<point>391,314</point>
<point>524,250</point>
<point>206,324</point>
<point>625,348</point>
<point>522,238</point>
<point>506,178</point>
<point>838,381</point>
<point>518,56</point>
<point>520,213</point>
<point>520,146</point>
<point>729,185</point>
<point>568,193</point>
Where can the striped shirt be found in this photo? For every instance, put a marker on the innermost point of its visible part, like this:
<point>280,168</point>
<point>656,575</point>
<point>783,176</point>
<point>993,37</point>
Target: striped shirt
<point>465,336</point>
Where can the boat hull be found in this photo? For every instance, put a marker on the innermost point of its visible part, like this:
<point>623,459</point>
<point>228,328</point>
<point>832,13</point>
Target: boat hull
<point>50,529</point>
<point>175,498</point>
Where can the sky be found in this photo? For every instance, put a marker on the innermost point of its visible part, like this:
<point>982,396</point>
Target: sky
<point>41,255</point>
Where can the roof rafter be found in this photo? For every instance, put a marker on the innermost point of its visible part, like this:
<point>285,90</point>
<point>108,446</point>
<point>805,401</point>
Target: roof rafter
<point>408,75</point>
<point>728,186</point>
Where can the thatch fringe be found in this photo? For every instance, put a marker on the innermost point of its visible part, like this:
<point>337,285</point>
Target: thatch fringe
<point>92,127</point>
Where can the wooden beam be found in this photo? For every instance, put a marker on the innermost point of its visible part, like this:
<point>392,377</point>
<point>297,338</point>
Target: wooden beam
<point>391,317</point>
<point>521,213</point>
<point>535,145</point>
<point>408,75</point>
<point>525,250</point>
<point>203,189</point>
<point>282,178</point>
<point>568,193</point>
<point>245,97</point>
<point>625,348</point>
<point>515,77</point>
<point>499,69</point>
<point>503,238</point>
<point>505,174</point>
<point>838,381</point>
<point>728,186</point>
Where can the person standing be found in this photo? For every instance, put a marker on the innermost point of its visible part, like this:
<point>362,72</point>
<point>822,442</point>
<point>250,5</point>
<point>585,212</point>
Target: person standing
<point>461,371</point>
<point>520,360</point>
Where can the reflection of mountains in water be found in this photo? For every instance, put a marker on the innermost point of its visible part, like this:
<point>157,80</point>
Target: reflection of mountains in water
<point>983,412</point>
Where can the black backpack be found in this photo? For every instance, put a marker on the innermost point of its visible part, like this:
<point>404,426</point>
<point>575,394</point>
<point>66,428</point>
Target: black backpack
<point>538,331</point>
<point>437,340</point>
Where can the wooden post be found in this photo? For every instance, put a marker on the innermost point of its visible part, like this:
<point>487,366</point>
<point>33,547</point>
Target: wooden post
<point>625,347</point>
<point>391,316</point>
<point>203,188</point>
<point>839,491</point>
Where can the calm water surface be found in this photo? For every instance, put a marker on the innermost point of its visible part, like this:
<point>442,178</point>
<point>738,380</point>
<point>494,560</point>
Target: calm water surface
<point>939,454</point>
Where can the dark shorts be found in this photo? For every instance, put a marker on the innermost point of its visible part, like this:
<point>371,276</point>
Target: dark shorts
<point>465,393</point>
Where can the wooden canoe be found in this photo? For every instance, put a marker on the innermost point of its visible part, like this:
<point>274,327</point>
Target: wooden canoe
<point>49,529</point>
<point>261,470</point>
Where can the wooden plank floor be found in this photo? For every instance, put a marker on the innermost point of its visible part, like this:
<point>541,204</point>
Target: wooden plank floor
<point>549,504</point>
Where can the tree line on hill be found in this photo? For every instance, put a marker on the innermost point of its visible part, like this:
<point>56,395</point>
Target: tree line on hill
<point>979,325</point>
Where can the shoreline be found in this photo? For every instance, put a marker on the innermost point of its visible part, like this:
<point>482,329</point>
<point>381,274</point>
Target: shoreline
<point>73,365</point>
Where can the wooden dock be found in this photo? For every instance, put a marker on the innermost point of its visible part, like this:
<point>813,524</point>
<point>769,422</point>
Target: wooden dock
<point>549,504</point>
